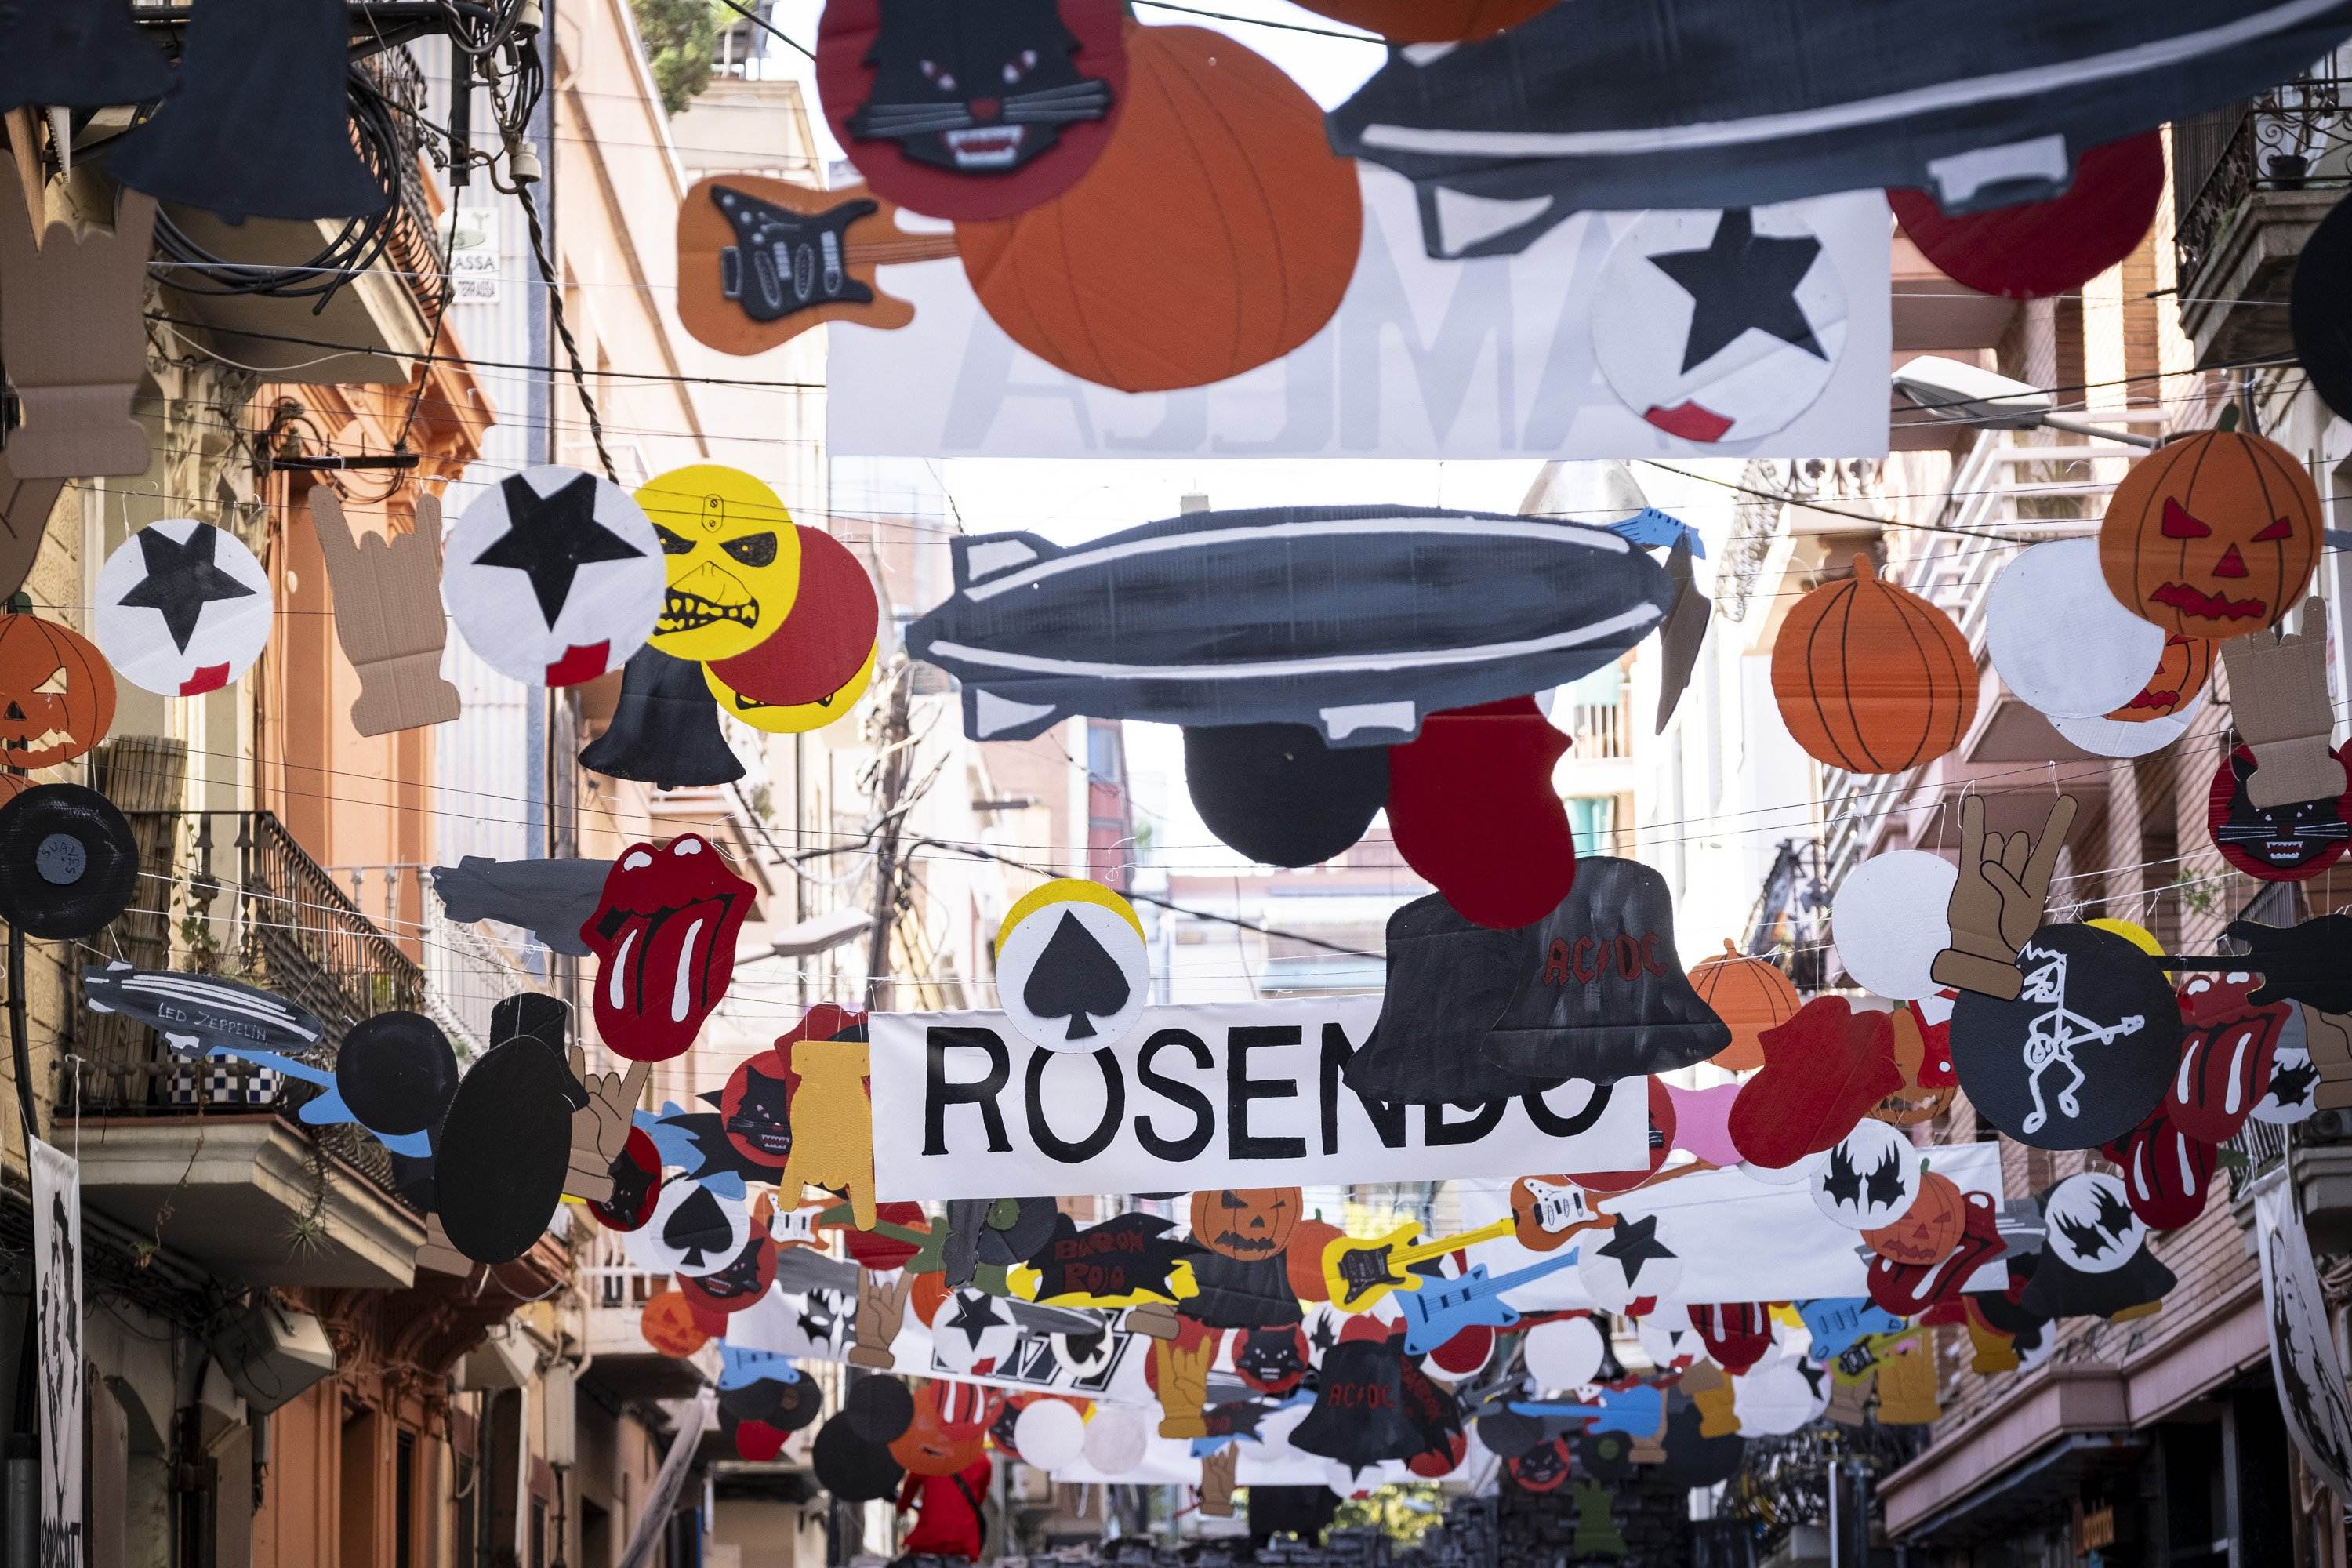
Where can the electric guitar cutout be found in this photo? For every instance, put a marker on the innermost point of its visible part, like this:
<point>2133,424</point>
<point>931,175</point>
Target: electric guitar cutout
<point>797,1228</point>
<point>1360,1273</point>
<point>1547,1210</point>
<point>1638,1411</point>
<point>1442,1309</point>
<point>762,261</point>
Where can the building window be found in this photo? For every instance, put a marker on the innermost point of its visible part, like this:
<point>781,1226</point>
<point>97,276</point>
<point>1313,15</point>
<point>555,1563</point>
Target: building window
<point>538,1533</point>
<point>1103,753</point>
<point>403,1499</point>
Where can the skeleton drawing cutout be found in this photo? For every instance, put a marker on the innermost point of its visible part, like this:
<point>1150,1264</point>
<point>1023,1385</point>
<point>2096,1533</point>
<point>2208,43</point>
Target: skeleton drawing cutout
<point>2056,1032</point>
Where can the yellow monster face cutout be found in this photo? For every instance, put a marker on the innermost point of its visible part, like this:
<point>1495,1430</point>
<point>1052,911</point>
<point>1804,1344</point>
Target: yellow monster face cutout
<point>734,560</point>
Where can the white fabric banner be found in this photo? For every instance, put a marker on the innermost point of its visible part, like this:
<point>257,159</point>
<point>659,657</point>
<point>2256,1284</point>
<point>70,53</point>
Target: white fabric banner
<point>57,1290</point>
<point>2304,1362</point>
<point>1232,1095</point>
<point>1426,359</point>
<point>1738,1239</point>
<point>669,1483</point>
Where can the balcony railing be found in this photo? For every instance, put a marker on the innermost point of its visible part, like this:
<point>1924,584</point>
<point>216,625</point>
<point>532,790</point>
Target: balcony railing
<point>231,894</point>
<point>1598,731</point>
<point>2291,139</point>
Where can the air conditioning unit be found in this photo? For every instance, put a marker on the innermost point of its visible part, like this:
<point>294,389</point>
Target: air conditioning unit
<point>271,1353</point>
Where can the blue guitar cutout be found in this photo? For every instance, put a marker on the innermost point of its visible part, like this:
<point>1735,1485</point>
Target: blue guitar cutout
<point>1436,1312</point>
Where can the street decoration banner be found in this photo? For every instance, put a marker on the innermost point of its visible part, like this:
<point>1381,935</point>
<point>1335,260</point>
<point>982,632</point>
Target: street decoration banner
<point>57,1290</point>
<point>1231,1095</point>
<point>2304,1362</point>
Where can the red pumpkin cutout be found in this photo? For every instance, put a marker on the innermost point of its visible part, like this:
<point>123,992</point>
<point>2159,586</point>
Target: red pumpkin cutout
<point>56,693</point>
<point>1872,677</point>
<point>941,1440</point>
<point>1750,996</point>
<point>1217,232</point>
<point>1428,21</point>
<point>1246,1223</point>
<point>1928,1229</point>
<point>2181,674</point>
<point>2213,536</point>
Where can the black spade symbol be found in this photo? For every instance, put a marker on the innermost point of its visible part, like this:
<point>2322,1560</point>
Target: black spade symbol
<point>1075,977</point>
<point>698,1228</point>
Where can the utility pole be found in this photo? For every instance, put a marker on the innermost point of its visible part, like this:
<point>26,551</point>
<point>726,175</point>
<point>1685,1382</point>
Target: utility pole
<point>893,760</point>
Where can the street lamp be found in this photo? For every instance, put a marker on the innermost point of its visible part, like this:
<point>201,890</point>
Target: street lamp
<point>1953,391</point>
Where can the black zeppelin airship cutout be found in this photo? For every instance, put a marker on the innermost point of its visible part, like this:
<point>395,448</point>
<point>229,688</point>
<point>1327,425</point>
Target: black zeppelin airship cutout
<point>1357,621</point>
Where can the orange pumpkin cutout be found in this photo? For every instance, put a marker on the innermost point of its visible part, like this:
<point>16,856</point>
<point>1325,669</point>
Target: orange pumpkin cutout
<point>1750,996</point>
<point>935,1443</point>
<point>1872,677</point>
<point>2180,675</point>
<point>1302,1261</point>
<point>1428,21</point>
<point>2213,536</point>
<point>1915,1102</point>
<point>1928,1229</point>
<point>56,693</point>
<point>1217,232</point>
<point>670,1326</point>
<point>1247,1223</point>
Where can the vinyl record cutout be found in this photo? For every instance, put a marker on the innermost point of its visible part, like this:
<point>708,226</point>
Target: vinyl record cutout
<point>1472,808</point>
<point>2061,644</point>
<point>499,1159</point>
<point>2085,1052</point>
<point>1276,793</point>
<point>69,865</point>
<point>1871,1178</point>
<point>2213,536</point>
<point>2034,250</point>
<point>1888,921</point>
<point>849,1467</point>
<point>183,608</point>
<point>2291,842</point>
<point>2320,308</point>
<point>1871,678</point>
<point>1072,970</point>
<point>553,576</point>
<point>971,112</point>
<point>1719,327</point>
<point>56,694</point>
<point>878,1409</point>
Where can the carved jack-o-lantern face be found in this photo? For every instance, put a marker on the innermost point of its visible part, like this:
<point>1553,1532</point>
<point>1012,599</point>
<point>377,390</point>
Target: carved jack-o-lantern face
<point>2181,674</point>
<point>1919,1052</point>
<point>1247,1223</point>
<point>734,561</point>
<point>56,693</point>
<point>936,1442</point>
<point>2212,537</point>
<point>1928,1229</point>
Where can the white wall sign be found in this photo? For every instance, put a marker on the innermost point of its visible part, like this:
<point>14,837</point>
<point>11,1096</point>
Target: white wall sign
<point>1234,1095</point>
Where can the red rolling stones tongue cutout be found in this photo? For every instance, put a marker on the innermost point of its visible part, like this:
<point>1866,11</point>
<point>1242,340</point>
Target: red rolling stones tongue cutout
<point>2166,1173</point>
<point>663,936</point>
<point>2226,1052</point>
<point>1737,1334</point>
<point>1908,1289</point>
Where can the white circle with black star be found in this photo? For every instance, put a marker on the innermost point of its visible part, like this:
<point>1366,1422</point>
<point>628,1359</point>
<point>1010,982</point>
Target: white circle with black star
<point>1870,1178</point>
<point>1719,327</point>
<point>2091,1227</point>
<point>553,576</point>
<point>973,1331</point>
<point>183,608</point>
<point>1626,1263</point>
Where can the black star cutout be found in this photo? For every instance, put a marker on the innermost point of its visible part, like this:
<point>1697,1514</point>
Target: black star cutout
<point>1887,1180</point>
<point>549,538</point>
<point>1633,1243</point>
<point>1742,280</point>
<point>182,580</point>
<point>975,1314</point>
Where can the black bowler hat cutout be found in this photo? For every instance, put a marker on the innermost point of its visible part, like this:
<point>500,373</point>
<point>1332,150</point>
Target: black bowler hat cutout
<point>664,729</point>
<point>535,1015</point>
<point>878,1409</point>
<point>1449,981</point>
<point>851,1467</point>
<point>504,1148</point>
<point>1276,793</point>
<point>69,865</point>
<point>396,1072</point>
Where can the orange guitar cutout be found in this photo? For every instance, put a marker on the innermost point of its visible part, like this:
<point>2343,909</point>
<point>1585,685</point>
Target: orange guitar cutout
<point>1547,1210</point>
<point>762,261</point>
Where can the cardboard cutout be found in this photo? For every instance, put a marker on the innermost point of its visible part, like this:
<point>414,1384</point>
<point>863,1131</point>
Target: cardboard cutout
<point>971,113</point>
<point>2213,536</point>
<point>1997,893</point>
<point>554,577</point>
<point>1726,325</point>
<point>973,1331</point>
<point>2292,1093</point>
<point>1872,677</point>
<point>388,616</point>
<point>733,558</point>
<point>2278,691</point>
<point>1889,922</point>
<point>396,1073</point>
<point>2085,1052</point>
<point>636,1186</point>
<point>2124,734</point>
<point>762,261</point>
<point>1982,109</point>
<point>25,507</point>
<point>1219,233</point>
<point>2061,644</point>
<point>1073,972</point>
<point>693,1231</point>
<point>790,719</point>
<point>878,1409</point>
<point>1631,1262</point>
<point>1428,21</point>
<point>69,865</point>
<point>260,124</point>
<point>1927,1229</point>
<point>1703,1122</point>
<point>56,694</point>
<point>1750,996</point>
<point>73,335</point>
<point>1357,621</point>
<point>736,1287</point>
<point>1121,1261</point>
<point>1472,808</point>
<point>499,1156</point>
<point>665,730</point>
<point>1823,1070</point>
<point>183,608</point>
<point>1278,794</point>
<point>1683,635</point>
<point>833,1115</point>
<point>755,1108</point>
<point>2292,841</point>
<point>853,1469</point>
<point>2096,1261</point>
<point>2168,1175</point>
<point>1870,1178</point>
<point>605,1163</point>
<point>664,935</point>
<point>549,898</point>
<point>2035,250</point>
<point>1449,982</point>
<point>2309,962</point>
<point>2228,1050</point>
<point>1923,1053</point>
<point>935,1443</point>
<point>195,1014</point>
<point>816,658</point>
<point>1603,996</point>
<point>78,54</point>
<point>1359,1418</point>
<point>1660,1127</point>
